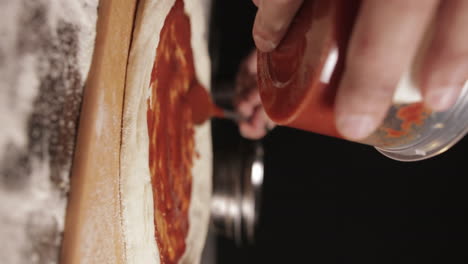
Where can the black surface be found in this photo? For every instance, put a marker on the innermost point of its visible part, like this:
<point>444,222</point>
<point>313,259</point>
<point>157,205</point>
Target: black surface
<point>331,201</point>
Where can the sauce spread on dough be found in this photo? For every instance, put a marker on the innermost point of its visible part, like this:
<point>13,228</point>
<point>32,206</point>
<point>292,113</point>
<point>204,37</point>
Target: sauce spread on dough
<point>177,102</point>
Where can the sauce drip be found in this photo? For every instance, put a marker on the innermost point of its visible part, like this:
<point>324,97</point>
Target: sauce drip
<point>201,104</point>
<point>177,102</point>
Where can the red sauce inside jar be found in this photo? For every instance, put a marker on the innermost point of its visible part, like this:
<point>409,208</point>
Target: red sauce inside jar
<point>296,89</point>
<point>176,104</point>
<point>290,79</point>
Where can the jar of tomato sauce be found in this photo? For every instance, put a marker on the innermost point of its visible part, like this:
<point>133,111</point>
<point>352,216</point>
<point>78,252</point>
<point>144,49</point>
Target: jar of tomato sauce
<point>298,83</point>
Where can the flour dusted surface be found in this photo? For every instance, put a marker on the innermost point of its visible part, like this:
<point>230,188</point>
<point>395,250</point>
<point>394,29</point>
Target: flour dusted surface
<point>45,54</point>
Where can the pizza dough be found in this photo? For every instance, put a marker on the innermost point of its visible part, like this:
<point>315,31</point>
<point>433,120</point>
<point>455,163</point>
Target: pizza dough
<point>136,189</point>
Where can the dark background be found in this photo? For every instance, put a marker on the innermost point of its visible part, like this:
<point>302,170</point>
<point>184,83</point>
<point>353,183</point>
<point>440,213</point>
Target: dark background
<point>330,201</point>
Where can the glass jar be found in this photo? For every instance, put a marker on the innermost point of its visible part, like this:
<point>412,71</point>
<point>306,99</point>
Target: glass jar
<point>298,83</point>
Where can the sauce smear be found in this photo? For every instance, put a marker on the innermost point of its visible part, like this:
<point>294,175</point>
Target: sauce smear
<point>177,102</point>
<point>411,116</point>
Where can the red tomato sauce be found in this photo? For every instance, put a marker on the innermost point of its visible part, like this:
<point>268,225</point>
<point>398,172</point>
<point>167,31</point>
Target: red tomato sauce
<point>176,104</point>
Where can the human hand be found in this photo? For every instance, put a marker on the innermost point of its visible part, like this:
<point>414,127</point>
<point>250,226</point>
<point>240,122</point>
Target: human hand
<point>384,41</point>
<point>248,102</point>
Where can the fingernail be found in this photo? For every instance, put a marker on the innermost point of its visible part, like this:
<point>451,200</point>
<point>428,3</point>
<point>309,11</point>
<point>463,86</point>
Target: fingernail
<point>441,99</point>
<point>356,127</point>
<point>263,44</point>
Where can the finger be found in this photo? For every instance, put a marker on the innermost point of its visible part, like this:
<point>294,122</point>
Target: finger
<point>382,46</point>
<point>254,98</point>
<point>445,69</point>
<point>249,103</point>
<point>251,63</point>
<point>272,22</point>
<point>256,128</point>
<point>246,79</point>
<point>245,109</point>
<point>256,2</point>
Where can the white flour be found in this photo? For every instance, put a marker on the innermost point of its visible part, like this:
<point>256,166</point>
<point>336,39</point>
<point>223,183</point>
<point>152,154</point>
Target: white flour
<point>45,54</point>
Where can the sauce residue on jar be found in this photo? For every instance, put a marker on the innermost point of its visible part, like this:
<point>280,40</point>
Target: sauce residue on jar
<point>177,102</point>
<point>412,116</point>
